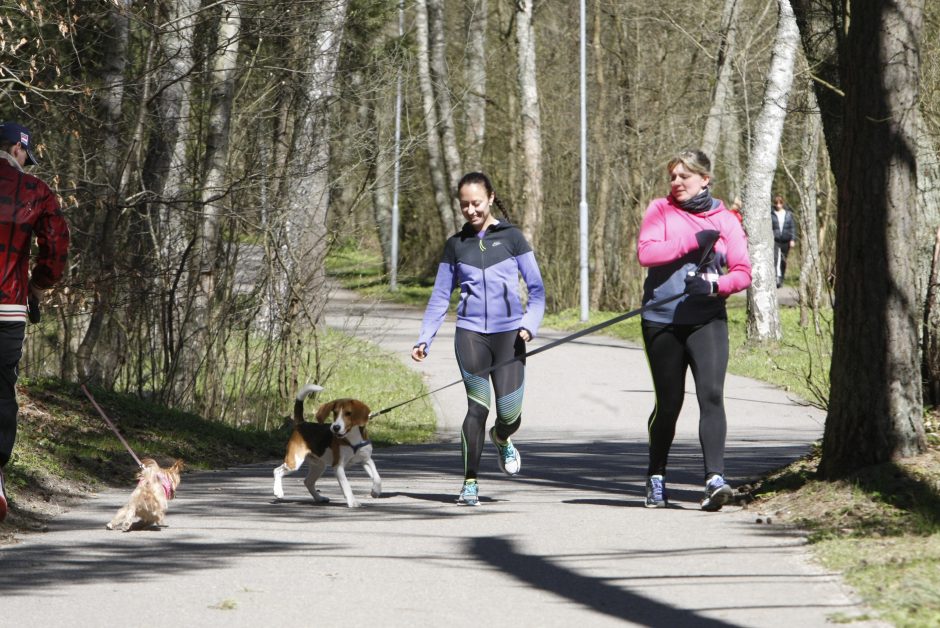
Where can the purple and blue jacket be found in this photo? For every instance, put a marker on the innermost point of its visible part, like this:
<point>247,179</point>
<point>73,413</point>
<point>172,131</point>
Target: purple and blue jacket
<point>487,268</point>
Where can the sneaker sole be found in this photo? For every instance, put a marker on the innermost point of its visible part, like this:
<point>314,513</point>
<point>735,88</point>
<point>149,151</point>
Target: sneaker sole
<point>656,504</point>
<point>717,499</point>
<point>499,456</point>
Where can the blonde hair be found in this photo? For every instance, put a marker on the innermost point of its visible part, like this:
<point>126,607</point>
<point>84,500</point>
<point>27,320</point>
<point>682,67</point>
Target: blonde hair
<point>694,160</point>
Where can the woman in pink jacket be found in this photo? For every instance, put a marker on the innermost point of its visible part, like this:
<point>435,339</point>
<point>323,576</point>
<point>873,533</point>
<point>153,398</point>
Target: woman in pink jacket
<point>690,244</point>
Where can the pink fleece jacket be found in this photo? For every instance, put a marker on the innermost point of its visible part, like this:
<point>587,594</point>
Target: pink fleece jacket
<point>668,248</point>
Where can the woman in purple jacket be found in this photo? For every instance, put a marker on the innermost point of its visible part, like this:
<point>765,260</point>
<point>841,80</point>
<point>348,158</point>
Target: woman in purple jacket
<point>690,243</point>
<point>485,259</point>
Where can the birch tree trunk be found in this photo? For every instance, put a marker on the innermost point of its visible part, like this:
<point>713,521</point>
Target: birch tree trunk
<point>475,102</point>
<point>763,322</point>
<point>442,194</point>
<point>811,279</point>
<point>309,198</point>
<point>196,326</point>
<point>445,106</point>
<point>599,235</point>
<point>876,412</point>
<point>531,122</point>
<point>722,97</point>
<point>164,165</point>
<point>111,102</point>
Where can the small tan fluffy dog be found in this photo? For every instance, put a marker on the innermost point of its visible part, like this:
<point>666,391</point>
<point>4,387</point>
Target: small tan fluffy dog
<point>147,505</point>
<point>339,444</point>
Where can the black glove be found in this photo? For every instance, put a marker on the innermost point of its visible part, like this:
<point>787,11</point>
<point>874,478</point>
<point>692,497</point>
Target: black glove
<point>697,285</point>
<point>706,238</point>
<point>32,307</point>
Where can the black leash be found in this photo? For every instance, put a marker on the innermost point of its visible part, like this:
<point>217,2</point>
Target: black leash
<point>546,347</point>
<point>560,341</point>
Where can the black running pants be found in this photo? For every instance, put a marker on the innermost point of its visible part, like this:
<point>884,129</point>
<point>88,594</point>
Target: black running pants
<point>671,351</point>
<point>477,352</point>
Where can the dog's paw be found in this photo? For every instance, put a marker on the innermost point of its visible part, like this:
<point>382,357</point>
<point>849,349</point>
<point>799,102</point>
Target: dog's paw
<point>320,498</point>
<point>354,503</point>
<point>110,526</point>
<point>376,492</point>
<point>279,493</point>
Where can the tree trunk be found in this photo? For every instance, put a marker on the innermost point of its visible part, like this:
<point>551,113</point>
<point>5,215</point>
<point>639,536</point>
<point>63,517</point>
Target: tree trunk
<point>722,95</point>
<point>531,123</point>
<point>445,107</point>
<point>927,252</point>
<point>111,103</point>
<point>763,318</point>
<point>164,166</point>
<point>195,331</point>
<point>823,27</point>
<point>599,228</point>
<point>811,281</point>
<point>309,197</point>
<point>442,194</point>
<point>875,410</point>
<point>475,102</point>
<point>932,330</point>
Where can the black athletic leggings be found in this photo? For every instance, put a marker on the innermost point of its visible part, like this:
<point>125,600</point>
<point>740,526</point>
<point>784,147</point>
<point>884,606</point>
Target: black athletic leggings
<point>477,352</point>
<point>671,351</point>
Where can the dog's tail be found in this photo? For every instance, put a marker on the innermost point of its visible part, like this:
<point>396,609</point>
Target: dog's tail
<point>302,394</point>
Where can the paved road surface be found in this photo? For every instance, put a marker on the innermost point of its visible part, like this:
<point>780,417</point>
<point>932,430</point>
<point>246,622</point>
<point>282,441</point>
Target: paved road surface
<point>566,543</point>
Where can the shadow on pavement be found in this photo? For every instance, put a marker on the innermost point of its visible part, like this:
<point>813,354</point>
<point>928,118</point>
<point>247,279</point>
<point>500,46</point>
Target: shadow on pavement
<point>593,593</point>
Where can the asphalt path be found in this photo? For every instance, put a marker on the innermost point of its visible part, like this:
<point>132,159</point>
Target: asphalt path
<point>565,543</point>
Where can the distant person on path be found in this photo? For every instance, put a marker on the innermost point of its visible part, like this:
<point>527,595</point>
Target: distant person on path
<point>784,226</point>
<point>27,208</point>
<point>691,332</point>
<point>485,259</point>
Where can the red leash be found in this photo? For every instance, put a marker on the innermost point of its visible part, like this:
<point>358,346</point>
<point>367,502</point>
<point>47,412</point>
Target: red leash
<point>111,425</point>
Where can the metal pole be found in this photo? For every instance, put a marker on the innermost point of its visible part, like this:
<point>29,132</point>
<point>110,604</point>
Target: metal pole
<point>584,204</point>
<point>393,266</point>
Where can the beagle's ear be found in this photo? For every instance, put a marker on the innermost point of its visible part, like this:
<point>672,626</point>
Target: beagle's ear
<point>360,410</point>
<point>324,411</point>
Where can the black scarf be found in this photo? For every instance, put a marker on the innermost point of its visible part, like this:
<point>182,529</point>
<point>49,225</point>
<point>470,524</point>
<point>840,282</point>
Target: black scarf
<point>699,203</point>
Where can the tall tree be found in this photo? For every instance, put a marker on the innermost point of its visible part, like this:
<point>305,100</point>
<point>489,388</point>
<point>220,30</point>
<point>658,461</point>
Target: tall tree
<point>475,107</point>
<point>875,412</point>
<point>111,104</point>
<point>445,104</point>
<point>763,316</point>
<point>721,100</point>
<point>198,325</point>
<point>531,122</point>
<point>442,195</point>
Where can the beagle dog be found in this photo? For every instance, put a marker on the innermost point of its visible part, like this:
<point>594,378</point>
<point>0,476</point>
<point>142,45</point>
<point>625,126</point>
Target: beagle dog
<point>338,444</point>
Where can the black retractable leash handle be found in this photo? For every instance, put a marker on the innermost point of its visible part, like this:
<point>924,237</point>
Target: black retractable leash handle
<point>559,341</point>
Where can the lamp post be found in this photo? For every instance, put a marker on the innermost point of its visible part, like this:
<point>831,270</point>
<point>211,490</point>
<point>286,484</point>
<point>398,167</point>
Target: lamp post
<point>583,207</point>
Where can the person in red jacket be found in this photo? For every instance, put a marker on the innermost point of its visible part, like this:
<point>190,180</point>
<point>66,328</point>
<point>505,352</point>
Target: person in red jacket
<point>28,208</point>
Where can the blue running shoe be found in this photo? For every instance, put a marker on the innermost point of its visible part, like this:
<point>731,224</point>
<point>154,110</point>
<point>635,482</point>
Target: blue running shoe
<point>656,492</point>
<point>469,494</point>
<point>717,494</point>
<point>509,459</point>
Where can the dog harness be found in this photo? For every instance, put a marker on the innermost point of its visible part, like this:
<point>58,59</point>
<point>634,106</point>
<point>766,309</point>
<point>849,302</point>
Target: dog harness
<point>357,446</point>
